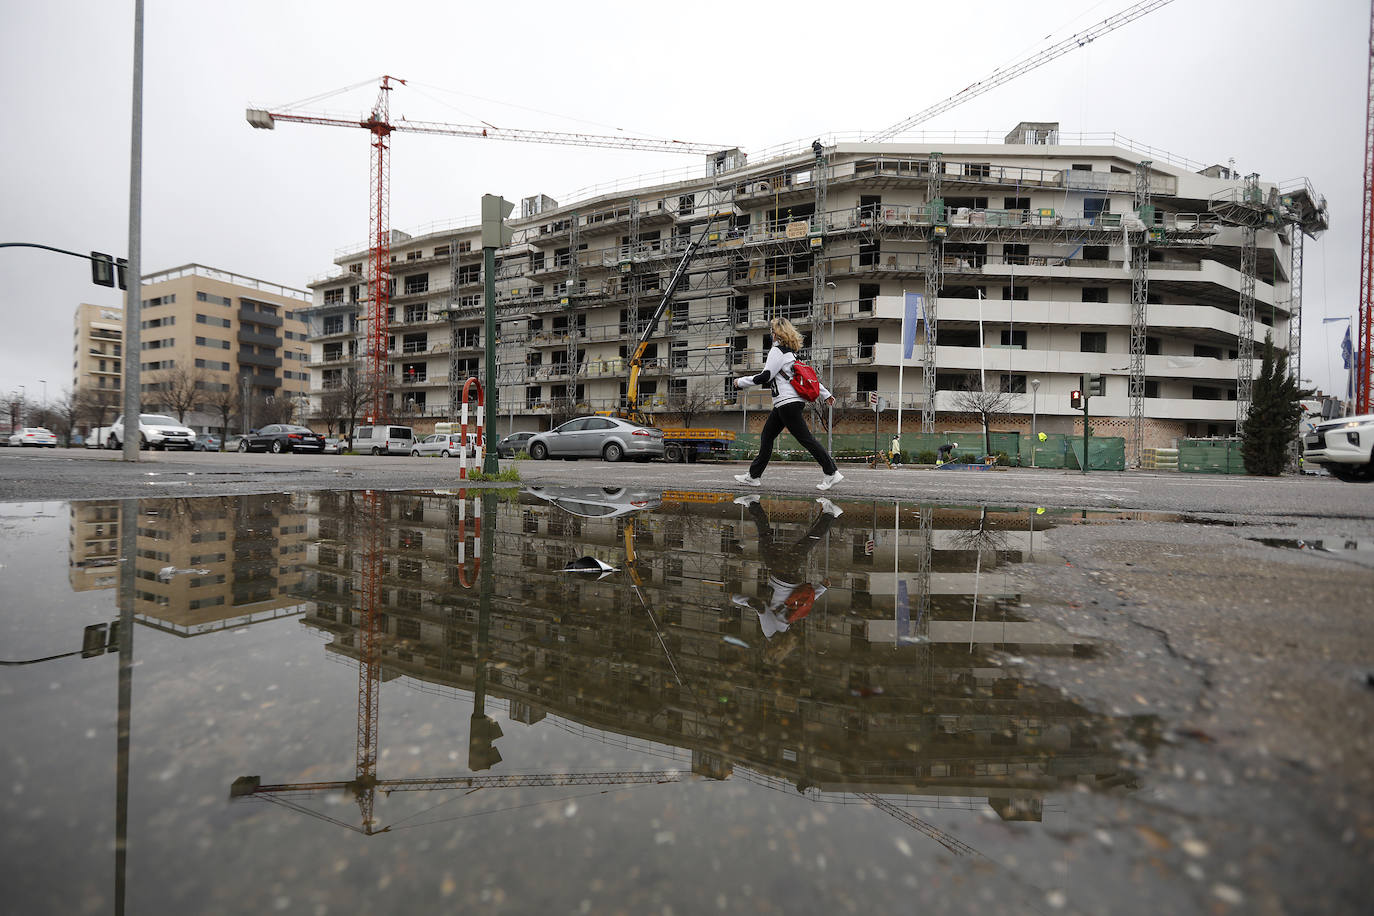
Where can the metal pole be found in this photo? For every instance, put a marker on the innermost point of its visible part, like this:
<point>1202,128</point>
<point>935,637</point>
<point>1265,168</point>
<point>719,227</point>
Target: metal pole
<point>830,407</point>
<point>490,464</point>
<point>1035,395</point>
<point>133,300</point>
<point>1083,469</point>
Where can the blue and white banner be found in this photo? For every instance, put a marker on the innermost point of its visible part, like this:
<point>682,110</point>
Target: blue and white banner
<point>915,310</point>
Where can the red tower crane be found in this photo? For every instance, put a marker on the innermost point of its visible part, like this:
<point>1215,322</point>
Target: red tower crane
<point>378,123</point>
<point>1364,339</point>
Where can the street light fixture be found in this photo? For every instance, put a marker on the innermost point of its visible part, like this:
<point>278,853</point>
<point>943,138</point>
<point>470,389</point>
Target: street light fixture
<point>1035,393</point>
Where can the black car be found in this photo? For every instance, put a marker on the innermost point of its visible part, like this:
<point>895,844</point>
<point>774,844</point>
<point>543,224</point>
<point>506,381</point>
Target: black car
<point>281,437</point>
<point>513,444</point>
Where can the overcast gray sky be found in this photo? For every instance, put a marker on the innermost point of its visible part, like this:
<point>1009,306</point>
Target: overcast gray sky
<point>1278,86</point>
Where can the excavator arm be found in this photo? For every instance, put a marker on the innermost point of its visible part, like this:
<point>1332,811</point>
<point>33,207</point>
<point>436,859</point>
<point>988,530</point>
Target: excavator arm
<point>637,357</point>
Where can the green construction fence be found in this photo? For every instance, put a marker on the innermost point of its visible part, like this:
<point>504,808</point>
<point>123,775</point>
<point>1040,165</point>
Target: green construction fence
<point>1210,456</point>
<point>1105,453</point>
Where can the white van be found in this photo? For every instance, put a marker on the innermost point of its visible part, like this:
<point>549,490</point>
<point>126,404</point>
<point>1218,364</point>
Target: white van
<point>383,440</point>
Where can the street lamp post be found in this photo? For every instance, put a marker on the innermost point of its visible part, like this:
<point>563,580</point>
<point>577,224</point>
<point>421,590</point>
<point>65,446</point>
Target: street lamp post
<point>1035,438</point>
<point>44,383</point>
<point>830,408</point>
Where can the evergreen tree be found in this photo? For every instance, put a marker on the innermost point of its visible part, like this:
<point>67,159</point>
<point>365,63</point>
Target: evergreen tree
<point>1272,423</point>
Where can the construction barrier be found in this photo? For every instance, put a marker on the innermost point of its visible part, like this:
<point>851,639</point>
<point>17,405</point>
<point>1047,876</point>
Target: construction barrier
<point>1210,456</point>
<point>461,548</point>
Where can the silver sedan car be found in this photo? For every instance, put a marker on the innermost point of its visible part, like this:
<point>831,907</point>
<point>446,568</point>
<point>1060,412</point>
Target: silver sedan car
<point>598,437</point>
<point>445,445</point>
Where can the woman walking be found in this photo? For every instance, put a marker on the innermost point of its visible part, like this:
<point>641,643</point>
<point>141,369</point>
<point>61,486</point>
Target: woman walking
<point>788,407</point>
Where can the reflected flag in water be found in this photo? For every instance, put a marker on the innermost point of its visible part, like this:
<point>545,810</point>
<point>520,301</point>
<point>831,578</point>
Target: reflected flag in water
<point>903,612</point>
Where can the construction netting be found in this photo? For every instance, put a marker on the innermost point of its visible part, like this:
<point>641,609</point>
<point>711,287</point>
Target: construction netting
<point>1210,456</point>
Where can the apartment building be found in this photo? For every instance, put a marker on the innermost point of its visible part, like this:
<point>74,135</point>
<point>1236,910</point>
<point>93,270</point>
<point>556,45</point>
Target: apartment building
<point>208,337</point>
<point>1040,260</point>
<point>98,358</point>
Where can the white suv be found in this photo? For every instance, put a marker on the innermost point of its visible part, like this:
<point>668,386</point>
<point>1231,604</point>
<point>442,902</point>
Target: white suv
<point>155,430</point>
<point>1344,446</point>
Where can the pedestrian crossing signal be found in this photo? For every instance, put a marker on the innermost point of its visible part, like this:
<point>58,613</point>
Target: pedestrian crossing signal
<point>1076,399</point>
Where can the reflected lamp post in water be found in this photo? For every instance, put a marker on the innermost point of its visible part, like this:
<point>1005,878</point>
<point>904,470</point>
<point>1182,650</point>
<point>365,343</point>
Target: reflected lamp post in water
<point>830,408</point>
<point>1035,395</point>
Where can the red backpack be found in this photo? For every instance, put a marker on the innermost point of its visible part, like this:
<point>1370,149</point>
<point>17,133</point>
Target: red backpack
<point>805,381</point>
<point>800,602</point>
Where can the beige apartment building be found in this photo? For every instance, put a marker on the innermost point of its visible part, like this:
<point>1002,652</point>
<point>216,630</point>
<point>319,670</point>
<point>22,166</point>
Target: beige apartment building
<point>1041,259</point>
<point>208,337</point>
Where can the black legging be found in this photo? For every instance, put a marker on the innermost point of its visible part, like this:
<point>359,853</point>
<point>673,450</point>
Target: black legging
<point>785,562</point>
<point>789,416</point>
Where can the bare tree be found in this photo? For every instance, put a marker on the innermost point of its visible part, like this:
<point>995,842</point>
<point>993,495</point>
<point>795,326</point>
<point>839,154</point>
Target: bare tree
<point>988,404</point>
<point>355,392</point>
<point>561,410</point>
<point>273,409</point>
<point>99,405</point>
<point>333,410</point>
<point>224,401</point>
<point>686,406</point>
<point>66,410</point>
<point>180,389</point>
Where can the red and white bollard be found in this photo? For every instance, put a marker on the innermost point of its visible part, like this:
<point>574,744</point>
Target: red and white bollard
<point>464,579</point>
<point>463,416</point>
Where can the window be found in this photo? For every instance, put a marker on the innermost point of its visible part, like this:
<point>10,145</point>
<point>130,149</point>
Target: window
<point>1093,207</point>
<point>1205,393</point>
<point>1016,254</point>
<point>1016,293</point>
<point>1014,339</point>
<point>532,395</point>
<point>866,382</point>
<point>213,300</point>
<point>868,338</point>
<point>1092,342</point>
<point>212,321</point>
<point>1097,253</point>
<point>1014,384</point>
<point>956,337</point>
<point>332,324</point>
<point>1094,294</point>
<point>1151,388</point>
<point>417,312</point>
<point>416,283</point>
<point>1206,352</point>
<point>1151,346</point>
<point>1016,203</point>
<point>867,293</point>
<point>333,296</point>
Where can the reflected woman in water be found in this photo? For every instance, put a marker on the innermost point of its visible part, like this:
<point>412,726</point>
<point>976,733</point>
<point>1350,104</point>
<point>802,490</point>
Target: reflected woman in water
<point>790,597</point>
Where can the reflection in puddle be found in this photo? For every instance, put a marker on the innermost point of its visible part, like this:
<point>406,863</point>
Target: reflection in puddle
<point>842,653</point>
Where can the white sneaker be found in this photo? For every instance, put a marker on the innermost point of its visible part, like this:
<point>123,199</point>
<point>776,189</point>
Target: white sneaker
<point>827,506</point>
<point>748,481</point>
<point>747,500</point>
<point>828,481</point>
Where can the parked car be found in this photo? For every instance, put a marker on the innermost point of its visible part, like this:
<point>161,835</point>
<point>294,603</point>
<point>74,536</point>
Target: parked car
<point>445,445</point>
<point>155,430</point>
<point>333,445</point>
<point>207,442</point>
<point>1344,446</point>
<point>513,444</point>
<point>231,443</point>
<point>383,440</point>
<point>608,437</point>
<point>282,437</point>
<point>33,437</point>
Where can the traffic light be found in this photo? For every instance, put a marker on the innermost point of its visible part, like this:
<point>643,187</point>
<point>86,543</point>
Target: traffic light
<point>102,269</point>
<point>1097,385</point>
<point>122,272</point>
<point>1076,399</point>
<point>495,232</point>
<point>482,754</point>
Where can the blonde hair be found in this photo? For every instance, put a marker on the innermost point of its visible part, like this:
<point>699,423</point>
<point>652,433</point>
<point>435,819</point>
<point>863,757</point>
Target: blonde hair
<point>785,334</point>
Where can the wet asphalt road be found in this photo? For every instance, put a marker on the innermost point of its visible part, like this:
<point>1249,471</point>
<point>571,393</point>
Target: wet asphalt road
<point>1257,659</point>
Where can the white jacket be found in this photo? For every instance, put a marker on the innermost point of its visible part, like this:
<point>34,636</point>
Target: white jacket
<point>777,372</point>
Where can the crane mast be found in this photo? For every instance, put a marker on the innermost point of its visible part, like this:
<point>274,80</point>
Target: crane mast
<point>1364,340</point>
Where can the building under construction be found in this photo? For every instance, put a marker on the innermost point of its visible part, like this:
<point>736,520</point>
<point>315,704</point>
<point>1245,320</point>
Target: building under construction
<point>1038,259</point>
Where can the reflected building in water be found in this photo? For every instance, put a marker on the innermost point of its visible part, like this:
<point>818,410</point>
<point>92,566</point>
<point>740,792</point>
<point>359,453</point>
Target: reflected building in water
<point>890,687</point>
<point>203,564</point>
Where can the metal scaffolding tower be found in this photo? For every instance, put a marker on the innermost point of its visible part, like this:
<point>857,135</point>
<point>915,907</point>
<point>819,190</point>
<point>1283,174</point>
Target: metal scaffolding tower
<point>1296,235</point>
<point>1140,294</point>
<point>818,229</point>
<point>1245,343</point>
<point>934,280</point>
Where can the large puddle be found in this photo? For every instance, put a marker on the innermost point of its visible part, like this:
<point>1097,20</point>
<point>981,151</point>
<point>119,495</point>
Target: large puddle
<point>586,700</point>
